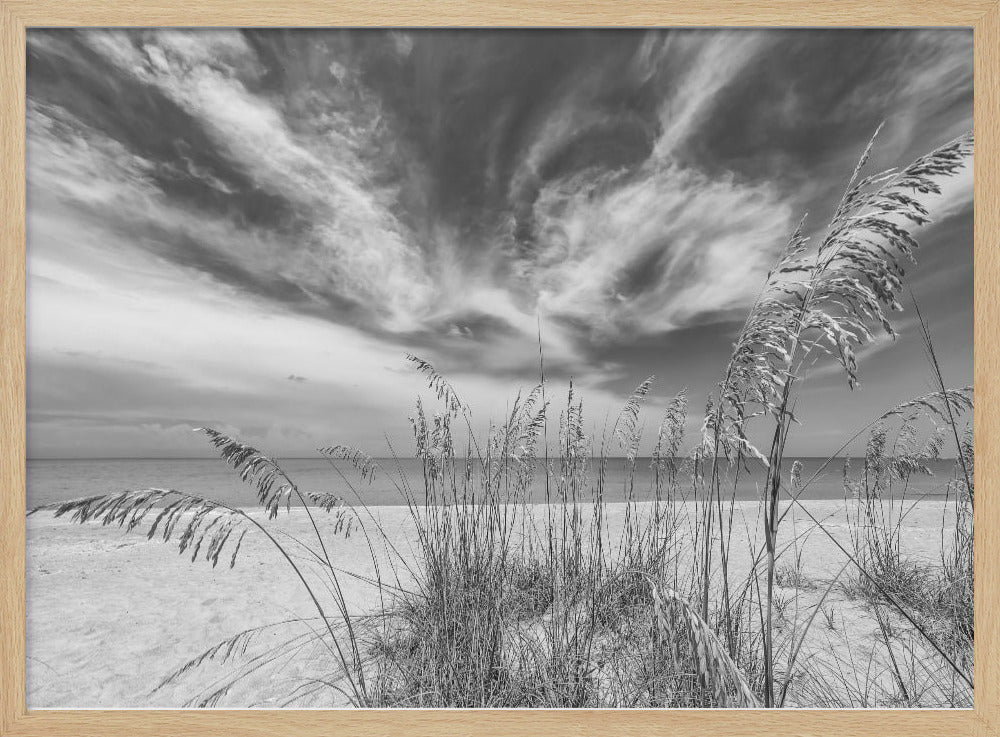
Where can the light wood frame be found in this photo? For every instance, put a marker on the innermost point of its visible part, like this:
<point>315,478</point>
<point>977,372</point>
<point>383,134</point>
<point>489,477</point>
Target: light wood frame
<point>17,15</point>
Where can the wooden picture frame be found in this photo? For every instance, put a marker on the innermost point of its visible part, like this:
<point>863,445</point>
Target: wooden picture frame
<point>17,15</point>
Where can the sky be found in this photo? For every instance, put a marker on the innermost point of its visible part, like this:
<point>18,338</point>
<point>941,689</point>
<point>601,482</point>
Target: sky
<point>250,230</point>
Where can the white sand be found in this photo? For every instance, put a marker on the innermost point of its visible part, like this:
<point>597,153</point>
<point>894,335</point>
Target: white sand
<point>110,614</point>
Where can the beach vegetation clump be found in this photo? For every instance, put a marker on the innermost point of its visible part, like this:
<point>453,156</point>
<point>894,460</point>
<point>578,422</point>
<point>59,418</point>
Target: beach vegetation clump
<point>529,588</point>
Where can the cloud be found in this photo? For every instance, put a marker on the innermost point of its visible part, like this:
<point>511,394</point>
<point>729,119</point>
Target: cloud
<point>354,247</point>
<point>651,253</point>
<point>711,65</point>
<point>208,208</point>
<point>610,222</point>
<point>660,245</point>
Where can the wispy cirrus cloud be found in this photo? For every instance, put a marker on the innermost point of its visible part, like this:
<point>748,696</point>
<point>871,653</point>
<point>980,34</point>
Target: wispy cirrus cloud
<point>651,253</point>
<point>376,192</point>
<point>640,246</point>
<point>348,243</point>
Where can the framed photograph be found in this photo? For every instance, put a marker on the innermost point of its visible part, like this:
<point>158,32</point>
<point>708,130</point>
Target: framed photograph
<point>593,368</point>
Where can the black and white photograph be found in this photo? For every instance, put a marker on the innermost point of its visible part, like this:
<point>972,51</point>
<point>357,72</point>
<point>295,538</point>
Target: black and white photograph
<point>499,368</point>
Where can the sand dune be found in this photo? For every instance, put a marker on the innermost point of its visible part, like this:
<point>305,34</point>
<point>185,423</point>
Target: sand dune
<point>110,614</point>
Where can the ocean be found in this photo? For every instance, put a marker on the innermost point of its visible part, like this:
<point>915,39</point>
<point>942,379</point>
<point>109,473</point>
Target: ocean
<point>50,481</point>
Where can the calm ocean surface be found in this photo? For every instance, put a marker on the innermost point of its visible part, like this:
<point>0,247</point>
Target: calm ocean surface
<point>59,480</point>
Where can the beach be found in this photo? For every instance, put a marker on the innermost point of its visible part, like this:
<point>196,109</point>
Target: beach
<point>110,614</point>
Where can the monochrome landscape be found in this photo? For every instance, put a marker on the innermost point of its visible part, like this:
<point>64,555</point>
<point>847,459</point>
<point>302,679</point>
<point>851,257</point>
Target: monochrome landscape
<point>500,368</point>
